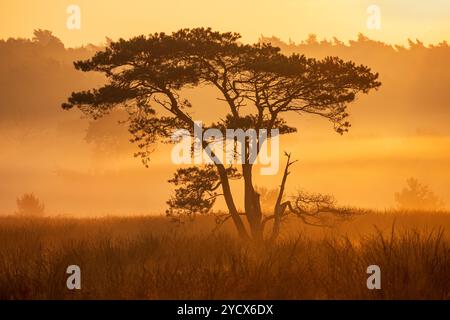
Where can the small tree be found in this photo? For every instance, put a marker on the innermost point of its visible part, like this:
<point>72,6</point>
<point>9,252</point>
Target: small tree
<point>47,39</point>
<point>29,205</point>
<point>267,197</point>
<point>417,196</point>
<point>260,86</point>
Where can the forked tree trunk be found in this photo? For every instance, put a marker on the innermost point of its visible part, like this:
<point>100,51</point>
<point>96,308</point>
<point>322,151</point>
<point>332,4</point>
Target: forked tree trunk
<point>252,204</point>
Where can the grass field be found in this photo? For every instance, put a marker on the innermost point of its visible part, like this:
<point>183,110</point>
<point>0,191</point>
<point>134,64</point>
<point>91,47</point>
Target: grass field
<point>152,258</point>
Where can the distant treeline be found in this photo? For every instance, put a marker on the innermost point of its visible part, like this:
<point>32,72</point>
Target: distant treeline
<point>37,75</point>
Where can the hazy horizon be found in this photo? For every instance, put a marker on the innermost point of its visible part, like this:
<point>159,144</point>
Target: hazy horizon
<point>288,19</point>
<point>398,132</point>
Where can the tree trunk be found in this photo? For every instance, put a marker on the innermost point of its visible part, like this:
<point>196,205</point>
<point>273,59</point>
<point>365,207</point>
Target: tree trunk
<point>280,208</point>
<point>220,168</point>
<point>226,189</point>
<point>252,204</point>
<point>230,203</point>
<point>251,197</point>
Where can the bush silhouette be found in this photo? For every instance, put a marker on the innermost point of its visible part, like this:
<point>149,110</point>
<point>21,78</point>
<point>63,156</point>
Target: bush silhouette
<point>30,205</point>
<point>417,196</point>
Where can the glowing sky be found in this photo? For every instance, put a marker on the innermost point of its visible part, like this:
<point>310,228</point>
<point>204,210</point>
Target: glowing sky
<point>428,20</point>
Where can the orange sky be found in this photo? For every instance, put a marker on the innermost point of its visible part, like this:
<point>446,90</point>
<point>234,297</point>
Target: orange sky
<point>295,19</point>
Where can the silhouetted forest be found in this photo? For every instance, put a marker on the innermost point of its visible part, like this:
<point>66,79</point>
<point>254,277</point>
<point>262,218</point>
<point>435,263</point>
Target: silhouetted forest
<point>414,95</point>
<point>41,70</point>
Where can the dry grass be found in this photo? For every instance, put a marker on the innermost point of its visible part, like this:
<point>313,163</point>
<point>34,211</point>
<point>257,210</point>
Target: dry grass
<point>150,258</point>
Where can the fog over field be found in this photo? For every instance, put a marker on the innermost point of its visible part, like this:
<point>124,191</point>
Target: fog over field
<point>84,167</point>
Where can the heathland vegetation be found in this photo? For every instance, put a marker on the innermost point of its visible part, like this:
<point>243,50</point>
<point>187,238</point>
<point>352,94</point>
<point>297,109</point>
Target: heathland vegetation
<point>153,258</point>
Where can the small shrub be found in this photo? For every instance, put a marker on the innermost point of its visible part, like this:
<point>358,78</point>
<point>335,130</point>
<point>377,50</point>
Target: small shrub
<point>30,205</point>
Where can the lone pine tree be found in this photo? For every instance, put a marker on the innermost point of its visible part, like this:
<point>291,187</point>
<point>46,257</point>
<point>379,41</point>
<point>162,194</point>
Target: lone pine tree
<point>262,88</point>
